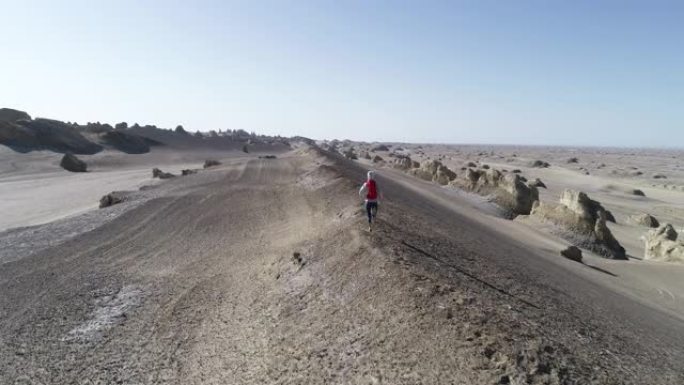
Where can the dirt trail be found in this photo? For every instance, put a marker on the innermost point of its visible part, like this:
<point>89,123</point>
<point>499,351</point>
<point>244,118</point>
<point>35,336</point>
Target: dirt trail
<point>260,272</point>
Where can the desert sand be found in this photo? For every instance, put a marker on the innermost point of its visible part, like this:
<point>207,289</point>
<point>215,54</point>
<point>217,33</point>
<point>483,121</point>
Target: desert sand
<point>262,271</point>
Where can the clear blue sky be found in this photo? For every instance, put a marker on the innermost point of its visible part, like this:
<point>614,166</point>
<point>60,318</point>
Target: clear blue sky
<point>531,72</point>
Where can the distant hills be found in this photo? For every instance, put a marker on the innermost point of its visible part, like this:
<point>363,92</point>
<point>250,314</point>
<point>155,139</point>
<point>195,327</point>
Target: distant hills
<point>21,133</point>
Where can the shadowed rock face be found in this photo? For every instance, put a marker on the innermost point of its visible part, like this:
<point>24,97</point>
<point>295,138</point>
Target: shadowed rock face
<point>130,144</point>
<point>662,245</point>
<point>572,253</point>
<point>211,163</point>
<point>45,134</point>
<point>157,173</point>
<point>583,221</point>
<point>10,115</point>
<point>71,163</point>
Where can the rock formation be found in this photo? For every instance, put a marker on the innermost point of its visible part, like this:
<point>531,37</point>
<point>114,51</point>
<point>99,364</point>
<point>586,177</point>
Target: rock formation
<point>377,159</point>
<point>10,115</point>
<point>662,245</point>
<point>403,162</point>
<point>380,147</point>
<point>112,198</point>
<point>434,171</point>
<point>582,221</point>
<point>572,253</point>
<point>508,190</point>
<point>646,220</point>
<point>124,142</point>
<point>71,163</point>
<point>540,164</point>
<point>44,134</point>
<point>211,163</point>
<point>350,154</point>
<point>157,173</point>
<point>537,183</point>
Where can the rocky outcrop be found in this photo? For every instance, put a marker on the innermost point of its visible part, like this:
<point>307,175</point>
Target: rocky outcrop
<point>10,115</point>
<point>157,173</point>
<point>350,154</point>
<point>583,206</point>
<point>188,171</point>
<point>45,134</point>
<point>112,198</point>
<point>124,142</point>
<point>377,159</point>
<point>662,244</point>
<point>508,190</point>
<point>638,192</point>
<point>537,183</point>
<point>582,221</point>
<point>573,160</point>
<point>71,163</point>
<point>646,220</point>
<point>572,253</point>
<point>434,171</point>
<point>211,163</point>
<point>403,162</point>
<point>540,164</point>
<point>380,147</point>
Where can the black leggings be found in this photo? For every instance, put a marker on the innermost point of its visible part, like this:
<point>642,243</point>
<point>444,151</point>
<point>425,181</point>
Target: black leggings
<point>371,210</point>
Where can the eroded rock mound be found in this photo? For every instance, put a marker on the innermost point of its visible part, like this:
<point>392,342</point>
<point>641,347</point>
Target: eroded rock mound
<point>662,245</point>
<point>583,222</point>
<point>112,199</point>
<point>508,190</point>
<point>71,163</point>
<point>124,142</point>
<point>10,115</point>
<point>350,154</point>
<point>434,171</point>
<point>646,220</point>
<point>157,173</point>
<point>188,171</point>
<point>572,253</point>
<point>211,163</point>
<point>45,134</point>
<point>402,162</point>
<point>377,159</point>
<point>380,147</point>
<point>540,164</point>
<point>538,183</point>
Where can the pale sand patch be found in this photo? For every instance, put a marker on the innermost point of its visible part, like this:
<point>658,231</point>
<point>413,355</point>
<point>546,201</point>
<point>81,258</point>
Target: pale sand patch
<point>35,190</point>
<point>110,310</point>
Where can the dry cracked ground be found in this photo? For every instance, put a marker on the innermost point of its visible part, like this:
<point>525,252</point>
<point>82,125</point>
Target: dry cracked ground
<point>261,272</point>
